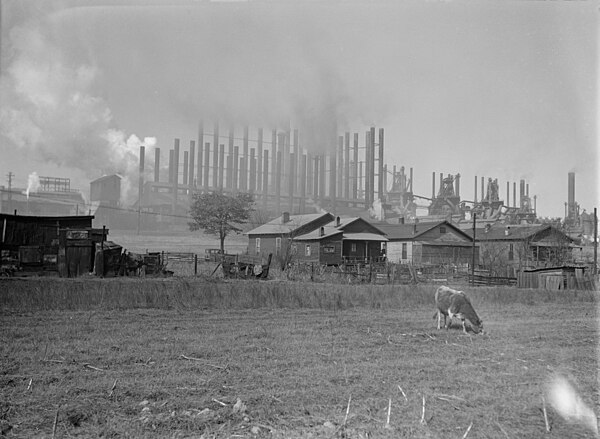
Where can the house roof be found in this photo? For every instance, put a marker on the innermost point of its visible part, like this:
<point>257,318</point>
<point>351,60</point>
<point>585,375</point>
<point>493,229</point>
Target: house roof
<point>364,237</point>
<point>333,228</point>
<point>399,232</point>
<point>277,226</point>
<point>502,232</point>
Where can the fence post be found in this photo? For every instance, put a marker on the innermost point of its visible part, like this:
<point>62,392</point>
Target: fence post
<point>195,264</point>
<point>312,271</point>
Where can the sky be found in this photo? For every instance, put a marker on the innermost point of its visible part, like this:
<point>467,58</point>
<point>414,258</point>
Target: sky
<point>501,89</point>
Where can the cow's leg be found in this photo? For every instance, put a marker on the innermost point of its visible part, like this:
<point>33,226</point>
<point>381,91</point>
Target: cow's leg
<point>439,316</point>
<point>464,326</point>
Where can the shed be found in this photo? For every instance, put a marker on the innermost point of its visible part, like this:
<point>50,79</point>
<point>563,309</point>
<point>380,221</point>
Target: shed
<point>49,244</point>
<point>568,277</point>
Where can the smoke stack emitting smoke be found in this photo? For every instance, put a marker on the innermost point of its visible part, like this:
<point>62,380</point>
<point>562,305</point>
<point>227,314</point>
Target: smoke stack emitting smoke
<point>51,111</point>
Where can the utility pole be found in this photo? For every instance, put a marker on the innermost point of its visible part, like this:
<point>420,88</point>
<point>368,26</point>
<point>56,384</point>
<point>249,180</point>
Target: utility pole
<point>10,176</point>
<point>595,271</point>
<point>473,251</point>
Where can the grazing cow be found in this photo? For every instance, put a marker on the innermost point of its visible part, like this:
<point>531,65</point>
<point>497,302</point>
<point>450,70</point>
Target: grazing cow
<point>453,303</point>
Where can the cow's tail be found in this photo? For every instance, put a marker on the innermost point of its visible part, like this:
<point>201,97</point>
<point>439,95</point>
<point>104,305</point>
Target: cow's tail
<point>435,314</point>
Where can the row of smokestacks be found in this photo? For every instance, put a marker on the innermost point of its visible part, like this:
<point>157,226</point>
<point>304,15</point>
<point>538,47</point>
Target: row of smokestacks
<point>277,167</point>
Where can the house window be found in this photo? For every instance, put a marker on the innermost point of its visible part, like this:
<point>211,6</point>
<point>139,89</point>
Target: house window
<point>277,246</point>
<point>511,252</point>
<point>257,246</point>
<point>353,247</point>
<point>404,250</point>
<point>294,249</point>
<point>442,229</point>
<point>307,250</point>
<point>329,249</point>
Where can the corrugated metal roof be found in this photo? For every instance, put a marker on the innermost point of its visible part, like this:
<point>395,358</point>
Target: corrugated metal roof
<point>277,226</point>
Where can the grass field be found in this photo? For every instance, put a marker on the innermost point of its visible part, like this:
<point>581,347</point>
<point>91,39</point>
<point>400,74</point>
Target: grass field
<point>200,358</point>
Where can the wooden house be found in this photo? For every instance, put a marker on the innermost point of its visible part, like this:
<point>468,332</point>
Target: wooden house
<point>514,247</point>
<point>437,242</point>
<point>59,245</point>
<point>344,240</point>
<point>275,237</point>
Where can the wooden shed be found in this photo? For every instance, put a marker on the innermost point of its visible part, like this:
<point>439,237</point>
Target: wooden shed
<point>42,245</point>
<point>557,278</point>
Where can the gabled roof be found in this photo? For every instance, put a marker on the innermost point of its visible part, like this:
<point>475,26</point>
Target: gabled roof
<point>399,232</point>
<point>278,227</point>
<point>333,228</point>
<point>503,232</point>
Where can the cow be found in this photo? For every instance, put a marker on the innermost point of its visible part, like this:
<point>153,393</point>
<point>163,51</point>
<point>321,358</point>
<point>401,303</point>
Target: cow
<point>453,303</point>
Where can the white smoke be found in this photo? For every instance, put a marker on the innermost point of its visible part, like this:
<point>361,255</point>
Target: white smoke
<point>377,211</point>
<point>33,183</point>
<point>52,110</point>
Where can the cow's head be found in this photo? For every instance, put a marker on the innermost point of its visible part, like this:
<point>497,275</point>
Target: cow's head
<point>477,326</point>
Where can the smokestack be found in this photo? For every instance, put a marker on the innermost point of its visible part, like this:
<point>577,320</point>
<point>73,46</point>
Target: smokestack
<point>309,174</point>
<point>355,168</point>
<point>185,167</point>
<point>229,182</point>
<point>483,188</point>
<point>372,169</point>
<point>332,182</point>
<point>296,147</point>
<point>278,182</point>
<point>175,176</point>
<point>291,180</point>
<point>215,148</point>
<point>381,187</point>
<point>200,150</point>
<point>368,170</point>
<point>191,170</point>
<point>221,166</point>
<point>346,165</point>
<point>340,167</point>
<point>171,165</point>
<point>206,164</point>
<point>259,161</point>
<point>433,185</point>
<point>156,165</point>
<point>303,180</point>
<point>457,186</point>
<point>514,194</point>
<point>411,180</point>
<point>265,183</point>
<point>521,192</point>
<point>252,187</point>
<point>571,194</point>
<point>141,187</point>
<point>508,194</point>
<point>141,176</point>
<point>236,161</point>
<point>322,182</point>
<point>316,178</point>
<point>475,195</point>
<point>244,168</point>
<point>441,183</point>
<point>273,155</point>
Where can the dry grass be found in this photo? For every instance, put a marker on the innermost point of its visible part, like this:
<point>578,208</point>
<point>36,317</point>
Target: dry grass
<point>179,358</point>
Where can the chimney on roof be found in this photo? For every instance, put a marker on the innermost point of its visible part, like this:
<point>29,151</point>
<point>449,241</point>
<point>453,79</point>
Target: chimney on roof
<point>507,231</point>
<point>415,228</point>
<point>322,231</point>
<point>285,217</point>
<point>488,228</point>
<point>338,221</point>
<point>400,220</point>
